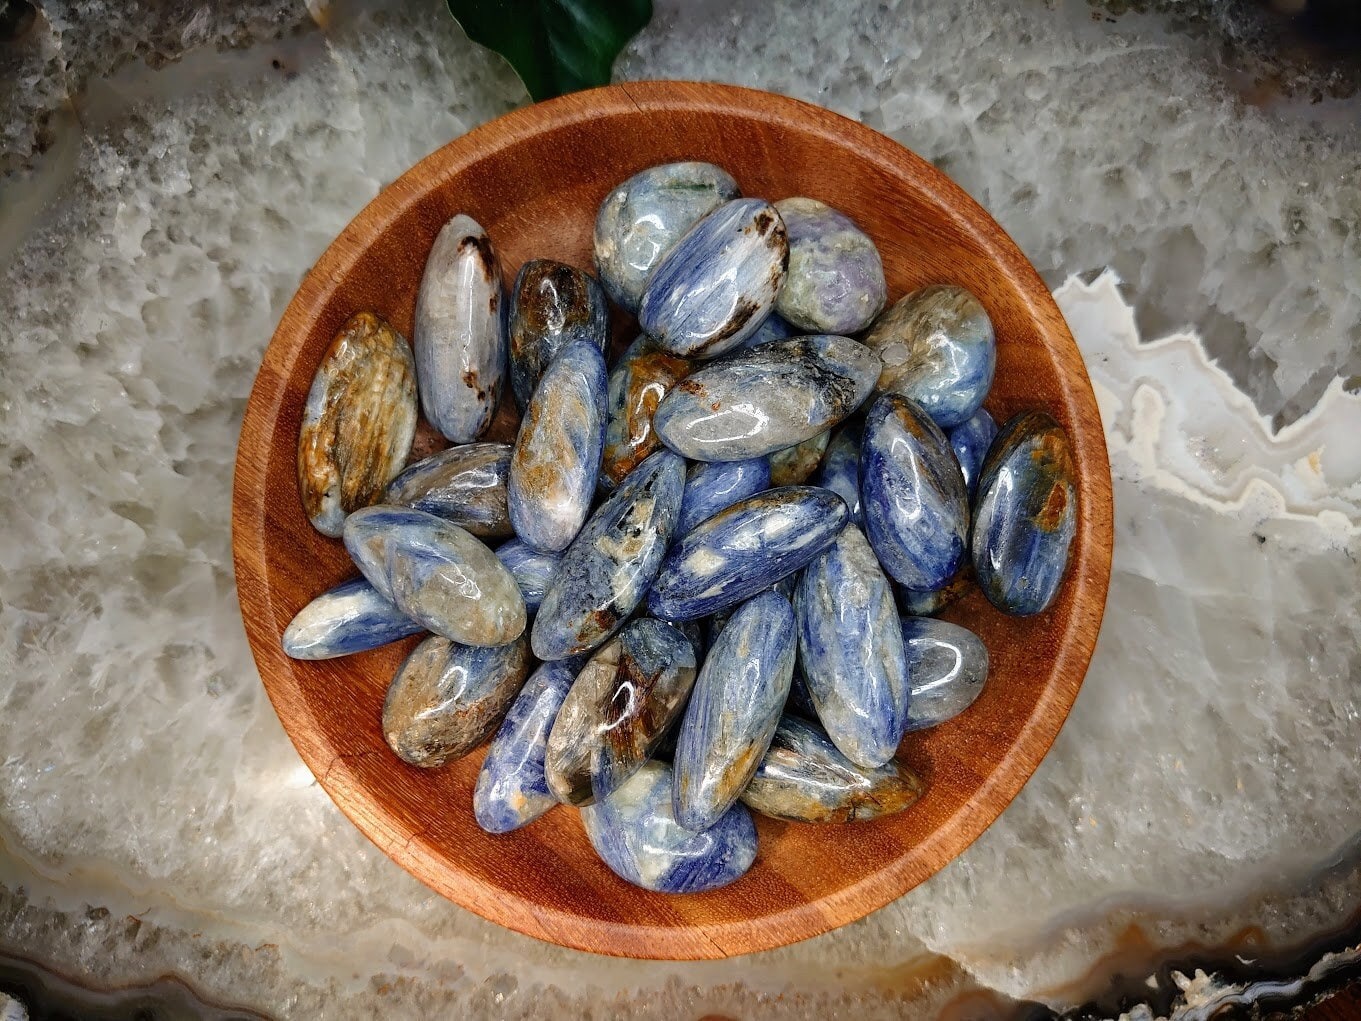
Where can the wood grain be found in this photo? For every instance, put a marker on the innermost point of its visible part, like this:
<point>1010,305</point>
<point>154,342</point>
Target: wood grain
<point>534,179</point>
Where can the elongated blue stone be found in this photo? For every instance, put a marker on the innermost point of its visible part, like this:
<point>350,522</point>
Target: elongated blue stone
<point>638,382</point>
<point>970,441</point>
<point>948,665</point>
<point>557,452</point>
<point>851,650</point>
<point>464,484</point>
<point>1027,514</point>
<point>551,305</point>
<point>350,618</point>
<point>533,571</point>
<point>636,834</point>
<point>836,279</point>
<point>512,790</point>
<point>744,549</point>
<point>716,284</point>
<point>734,709</point>
<point>770,397</point>
<point>841,469</point>
<point>793,466</point>
<point>804,778</point>
<point>773,327</point>
<point>712,486</point>
<point>610,566</point>
<point>912,494</point>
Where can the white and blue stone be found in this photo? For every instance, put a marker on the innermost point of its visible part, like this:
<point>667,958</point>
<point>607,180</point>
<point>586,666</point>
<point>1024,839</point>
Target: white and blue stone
<point>718,282</point>
<point>512,790</point>
<point>551,305</point>
<point>793,466</point>
<point>836,278</point>
<point>912,494</point>
<point>636,834</point>
<point>608,569</point>
<point>851,650</point>
<point>350,618</point>
<point>464,484</point>
<point>773,327</point>
<point>534,571</point>
<point>841,468</point>
<point>638,382</point>
<point>712,486</point>
<point>938,349</point>
<point>746,548</point>
<point>734,709</point>
<point>556,457</point>
<point>1026,514</point>
<point>805,779</point>
<point>948,665</point>
<point>970,441</point>
<point>767,398</point>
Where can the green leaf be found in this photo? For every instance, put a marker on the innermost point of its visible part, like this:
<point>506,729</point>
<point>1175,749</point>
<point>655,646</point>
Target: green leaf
<point>555,46</point>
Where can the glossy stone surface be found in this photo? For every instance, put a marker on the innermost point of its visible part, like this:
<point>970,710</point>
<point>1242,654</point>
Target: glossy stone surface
<point>350,618</point>
<point>851,650</point>
<point>711,486</point>
<point>642,218</point>
<point>912,493</point>
<point>447,698</point>
<point>805,779</point>
<point>618,710</point>
<point>533,571</point>
<point>637,836</point>
<point>459,337</point>
<point>773,327</point>
<point>608,569</point>
<point>358,422</point>
<point>744,549</point>
<point>557,452</point>
<point>767,398</point>
<point>437,574</point>
<point>464,484</point>
<point>793,466</point>
<point>927,603</point>
<point>948,665</point>
<point>716,284</point>
<point>551,305</point>
<point>938,348</point>
<point>734,708</point>
<point>840,470</point>
<point>970,441</point>
<point>1026,514</point>
<point>638,382</point>
<point>836,279</point>
<point>512,790</point>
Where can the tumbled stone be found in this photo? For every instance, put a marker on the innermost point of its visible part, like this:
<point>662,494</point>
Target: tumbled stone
<point>350,618</point>
<point>711,486</point>
<point>948,665</point>
<point>533,571</point>
<point>970,441</point>
<point>358,422</point>
<point>918,603</point>
<point>464,484</point>
<point>551,305</point>
<point>836,279</point>
<point>841,469</point>
<point>793,466</point>
<point>638,382</point>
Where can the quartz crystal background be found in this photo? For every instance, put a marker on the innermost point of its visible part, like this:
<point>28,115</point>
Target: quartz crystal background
<point>1192,192</point>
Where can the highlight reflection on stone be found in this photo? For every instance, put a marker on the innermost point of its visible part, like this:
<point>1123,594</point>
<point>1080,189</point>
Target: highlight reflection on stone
<point>638,382</point>
<point>551,305</point>
<point>948,665</point>
<point>533,571</point>
<point>841,468</point>
<point>970,441</point>
<point>350,618</point>
<point>713,485</point>
<point>464,484</point>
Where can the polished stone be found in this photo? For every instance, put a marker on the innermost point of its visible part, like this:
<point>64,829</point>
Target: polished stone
<point>793,466</point>
<point>711,486</point>
<point>350,618</point>
<point>551,305</point>
<point>464,484</point>
<point>836,279</point>
<point>840,470</point>
<point>929,602</point>
<point>534,571</point>
<point>638,382</point>
<point>948,665</point>
<point>970,441</point>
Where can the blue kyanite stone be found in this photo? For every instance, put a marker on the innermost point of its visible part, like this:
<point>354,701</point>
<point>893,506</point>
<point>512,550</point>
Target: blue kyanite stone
<point>773,327</point>
<point>636,834</point>
<point>734,709</point>
<point>841,468</point>
<point>464,484</point>
<point>350,618</point>
<point>534,571</point>
<point>948,665</point>
<point>836,279</point>
<point>970,441</point>
<point>851,650</point>
<point>551,305</point>
<point>744,549</point>
<point>714,485</point>
<point>511,789</point>
<point>912,494</point>
<point>1027,514</point>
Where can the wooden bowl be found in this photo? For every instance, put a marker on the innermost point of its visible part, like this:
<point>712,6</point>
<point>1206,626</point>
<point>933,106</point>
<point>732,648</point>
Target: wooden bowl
<point>534,179</point>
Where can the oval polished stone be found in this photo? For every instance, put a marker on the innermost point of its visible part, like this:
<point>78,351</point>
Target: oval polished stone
<point>711,486</point>
<point>638,837</point>
<point>556,459</point>
<point>773,327</point>
<point>610,566</point>
<point>1027,514</point>
<point>938,349</point>
<point>551,305</point>
<point>734,709</point>
<point>716,284</point>
<point>851,650</point>
<point>793,466</point>
<point>533,571</point>
<point>767,398</point>
<point>358,422</point>
<point>912,494</point>
<point>917,603</point>
<point>639,381</point>
<point>948,665</point>
<point>970,441</point>
<point>805,779</point>
<point>437,574</point>
<point>459,336</point>
<point>617,712</point>
<point>512,790</point>
<point>642,218</point>
<point>744,549</point>
<point>841,469</point>
<point>446,698</point>
<point>464,484</point>
<point>350,618</point>
<point>836,279</point>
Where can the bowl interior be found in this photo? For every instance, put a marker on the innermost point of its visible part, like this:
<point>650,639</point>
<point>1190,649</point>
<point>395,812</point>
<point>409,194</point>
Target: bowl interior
<point>534,179</point>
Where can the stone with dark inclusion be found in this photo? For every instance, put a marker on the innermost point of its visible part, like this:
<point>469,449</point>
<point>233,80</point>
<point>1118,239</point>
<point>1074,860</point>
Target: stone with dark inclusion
<point>918,603</point>
<point>464,484</point>
<point>713,485</point>
<point>637,384</point>
<point>551,305</point>
<point>533,571</point>
<point>948,665</point>
<point>352,617</point>
<point>793,466</point>
<point>970,441</point>
<point>836,279</point>
<point>841,468</point>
